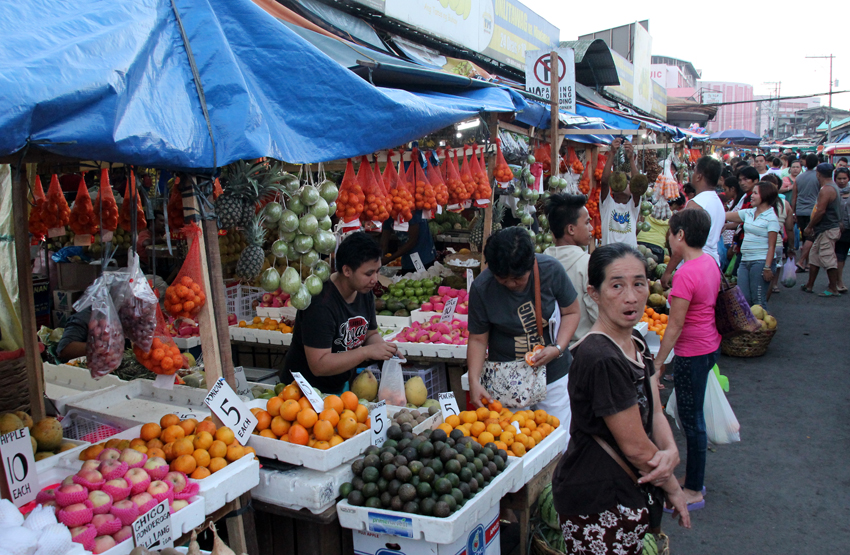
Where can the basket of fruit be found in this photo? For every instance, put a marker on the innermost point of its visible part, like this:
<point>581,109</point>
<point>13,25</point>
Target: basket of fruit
<point>751,344</point>
<point>460,263</point>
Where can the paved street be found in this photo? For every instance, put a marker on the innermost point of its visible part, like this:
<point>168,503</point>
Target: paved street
<point>785,488</point>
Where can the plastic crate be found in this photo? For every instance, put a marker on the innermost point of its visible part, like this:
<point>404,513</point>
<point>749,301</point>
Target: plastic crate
<point>89,427</point>
<point>434,377</point>
<point>240,298</point>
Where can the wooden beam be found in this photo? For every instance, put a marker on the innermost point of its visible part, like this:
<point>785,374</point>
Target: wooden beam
<point>493,125</point>
<point>35,372</point>
<point>527,132</point>
<point>216,294</point>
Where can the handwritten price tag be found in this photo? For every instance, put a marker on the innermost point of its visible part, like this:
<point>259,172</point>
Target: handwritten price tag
<point>417,262</point>
<point>449,310</point>
<point>379,422</point>
<point>243,387</point>
<point>226,404</point>
<point>309,392</point>
<point>153,529</point>
<point>19,466</point>
<point>448,404</point>
<point>469,280</point>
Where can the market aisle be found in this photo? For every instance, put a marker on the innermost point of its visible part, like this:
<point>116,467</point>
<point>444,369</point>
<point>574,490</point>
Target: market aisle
<point>783,488</point>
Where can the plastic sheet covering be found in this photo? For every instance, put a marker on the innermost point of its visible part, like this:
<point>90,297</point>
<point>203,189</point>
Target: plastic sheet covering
<point>111,80</point>
<point>13,336</point>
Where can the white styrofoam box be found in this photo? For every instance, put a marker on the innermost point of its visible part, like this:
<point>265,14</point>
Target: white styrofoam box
<point>483,538</point>
<point>422,317</point>
<point>265,337</point>
<point>140,402</point>
<point>182,522</point>
<point>429,528</point>
<point>58,459</point>
<point>540,455</point>
<point>302,488</point>
<point>285,312</point>
<point>433,350</point>
<point>429,423</point>
<point>464,382</point>
<point>653,341</point>
<point>642,328</point>
<point>237,333</point>
<point>64,383</point>
<point>393,321</point>
<point>187,342</point>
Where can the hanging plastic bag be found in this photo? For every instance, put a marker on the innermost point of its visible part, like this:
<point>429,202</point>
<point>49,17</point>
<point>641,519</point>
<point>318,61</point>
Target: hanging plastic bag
<point>163,357</point>
<point>349,204</point>
<point>186,295</point>
<point>721,425</point>
<point>502,172</point>
<point>105,206</point>
<point>789,273</point>
<point>136,303</point>
<point>132,197</point>
<point>105,343</point>
<point>35,222</point>
<point>374,207</point>
<point>424,194</point>
<point>57,213</point>
<point>83,221</point>
<point>672,408</point>
<point>391,389</point>
<point>514,148</point>
<point>543,155</point>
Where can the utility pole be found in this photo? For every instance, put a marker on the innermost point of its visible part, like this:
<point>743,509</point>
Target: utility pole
<point>775,110</point>
<point>829,113</point>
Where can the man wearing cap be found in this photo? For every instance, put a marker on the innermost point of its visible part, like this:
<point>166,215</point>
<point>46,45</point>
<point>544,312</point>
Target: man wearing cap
<point>825,226</point>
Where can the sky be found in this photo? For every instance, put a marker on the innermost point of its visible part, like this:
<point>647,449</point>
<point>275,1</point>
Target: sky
<point>723,43</point>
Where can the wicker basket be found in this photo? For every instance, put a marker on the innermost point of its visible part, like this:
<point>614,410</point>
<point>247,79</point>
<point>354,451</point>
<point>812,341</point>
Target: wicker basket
<point>451,260</point>
<point>14,387</point>
<point>747,344</point>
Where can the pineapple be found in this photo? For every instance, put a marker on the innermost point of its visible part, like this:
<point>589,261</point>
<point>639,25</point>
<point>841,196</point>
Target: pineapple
<point>476,235</point>
<point>244,186</point>
<point>251,260</point>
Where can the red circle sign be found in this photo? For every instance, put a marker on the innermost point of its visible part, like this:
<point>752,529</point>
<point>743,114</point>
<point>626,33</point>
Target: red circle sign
<point>543,68</point>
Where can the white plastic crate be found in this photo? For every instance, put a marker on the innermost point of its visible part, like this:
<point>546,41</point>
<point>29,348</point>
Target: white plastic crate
<point>432,350</point>
<point>302,488</point>
<point>263,337</point>
<point>182,522</point>
<point>429,528</point>
<point>285,312</point>
<point>393,321</point>
<point>240,299</point>
<point>653,341</point>
<point>434,376</point>
<point>540,455</point>
<point>184,343</point>
<point>422,317</point>
<point>429,423</point>
<point>64,383</point>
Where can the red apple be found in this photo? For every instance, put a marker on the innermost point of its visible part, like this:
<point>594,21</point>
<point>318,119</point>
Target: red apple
<point>99,499</point>
<point>108,454</point>
<point>91,465</point>
<point>136,475</point>
<point>142,499</point>
<point>92,476</point>
<point>157,487</point>
<point>179,504</point>
<point>103,544</point>
<point>123,534</point>
<point>155,462</point>
<point>178,479</point>
<point>131,456</point>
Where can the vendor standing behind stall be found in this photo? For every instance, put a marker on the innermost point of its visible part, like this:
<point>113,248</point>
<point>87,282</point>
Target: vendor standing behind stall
<point>417,239</point>
<point>339,331</point>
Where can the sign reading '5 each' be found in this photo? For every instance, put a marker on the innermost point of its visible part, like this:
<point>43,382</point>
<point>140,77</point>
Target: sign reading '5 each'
<point>229,408</point>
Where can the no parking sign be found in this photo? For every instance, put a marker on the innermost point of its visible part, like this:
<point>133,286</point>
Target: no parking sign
<point>538,75</point>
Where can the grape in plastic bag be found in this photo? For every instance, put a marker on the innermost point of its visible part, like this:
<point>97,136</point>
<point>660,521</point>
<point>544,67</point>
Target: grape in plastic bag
<point>105,343</point>
<point>136,304</point>
<point>391,389</point>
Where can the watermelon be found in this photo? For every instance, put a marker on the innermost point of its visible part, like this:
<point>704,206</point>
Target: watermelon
<point>650,547</point>
<point>547,508</point>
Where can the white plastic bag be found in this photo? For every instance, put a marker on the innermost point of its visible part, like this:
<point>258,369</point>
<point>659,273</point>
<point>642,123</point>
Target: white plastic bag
<point>789,273</point>
<point>391,389</point>
<point>720,423</point>
<point>672,409</point>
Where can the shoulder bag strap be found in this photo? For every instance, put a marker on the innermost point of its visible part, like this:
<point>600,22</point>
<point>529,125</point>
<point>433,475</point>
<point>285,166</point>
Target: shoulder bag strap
<point>617,459</point>
<point>538,310</point>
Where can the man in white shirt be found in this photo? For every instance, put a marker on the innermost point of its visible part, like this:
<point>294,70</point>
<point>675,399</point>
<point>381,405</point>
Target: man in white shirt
<point>704,180</point>
<point>761,166</point>
<point>619,211</point>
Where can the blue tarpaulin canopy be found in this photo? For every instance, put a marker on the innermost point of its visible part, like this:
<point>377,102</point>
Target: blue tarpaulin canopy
<point>737,136</point>
<point>112,80</point>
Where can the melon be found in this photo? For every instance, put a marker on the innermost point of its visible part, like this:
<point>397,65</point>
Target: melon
<point>48,434</point>
<point>547,508</point>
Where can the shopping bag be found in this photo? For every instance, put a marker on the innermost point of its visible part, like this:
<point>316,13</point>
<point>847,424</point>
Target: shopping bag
<point>391,389</point>
<point>721,426</point>
<point>789,273</point>
<point>672,408</point>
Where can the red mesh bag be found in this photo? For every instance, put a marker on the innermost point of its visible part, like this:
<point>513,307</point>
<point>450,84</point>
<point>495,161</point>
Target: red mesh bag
<point>574,163</point>
<point>441,192</point>
<point>601,159</point>
<point>584,182</point>
<point>376,171</point>
<point>104,205</point>
<point>482,188</point>
<point>543,155</point>
<point>593,211</point>
<point>163,357</point>
<point>444,168</point>
<point>83,221</point>
<point>402,200</point>
<point>467,176</point>
<point>454,183</point>
<point>176,222</point>
<point>57,212</point>
<point>36,218</point>
<point>374,208</point>
<point>482,165</point>
<point>351,199</point>
<point>131,198</point>
<point>424,193</point>
<point>502,172</point>
<point>186,295</point>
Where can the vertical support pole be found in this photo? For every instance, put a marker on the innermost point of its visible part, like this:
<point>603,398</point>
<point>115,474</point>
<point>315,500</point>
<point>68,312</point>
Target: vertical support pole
<point>219,299</point>
<point>554,123</point>
<point>493,126</point>
<point>35,372</point>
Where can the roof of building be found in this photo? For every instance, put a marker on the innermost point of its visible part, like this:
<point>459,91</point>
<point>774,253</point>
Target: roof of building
<point>594,63</point>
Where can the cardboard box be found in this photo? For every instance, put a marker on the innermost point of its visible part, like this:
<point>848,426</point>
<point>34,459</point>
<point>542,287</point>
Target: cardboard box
<point>64,300</point>
<point>61,317</point>
<point>76,277</point>
<point>482,539</point>
<point>41,296</point>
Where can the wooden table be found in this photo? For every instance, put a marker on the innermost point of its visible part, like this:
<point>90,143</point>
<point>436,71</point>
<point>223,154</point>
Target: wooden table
<point>523,501</point>
<point>282,531</point>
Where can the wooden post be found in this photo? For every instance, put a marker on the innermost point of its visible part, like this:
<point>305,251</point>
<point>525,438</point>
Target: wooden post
<point>35,372</point>
<point>218,297</point>
<point>555,120</point>
<point>493,126</point>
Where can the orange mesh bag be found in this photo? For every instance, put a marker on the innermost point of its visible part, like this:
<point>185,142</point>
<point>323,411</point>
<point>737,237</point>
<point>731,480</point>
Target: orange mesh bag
<point>584,182</point>
<point>482,165</point>
<point>423,190</point>
<point>441,192</point>
<point>467,175</point>
<point>351,199</point>
<point>105,206</point>
<point>83,221</point>
<point>186,295</point>
<point>454,182</point>
<point>131,198</point>
<point>402,200</point>
<point>502,172</point>
<point>36,218</point>
<point>374,208</point>
<point>57,212</point>
<point>572,159</point>
<point>163,357</point>
<point>176,222</point>
<point>601,159</point>
<point>593,211</point>
<point>543,155</point>
<point>482,189</point>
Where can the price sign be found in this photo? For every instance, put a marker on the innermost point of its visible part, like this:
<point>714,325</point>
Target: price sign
<point>309,392</point>
<point>226,404</point>
<point>82,240</point>
<point>153,529</point>
<point>449,310</point>
<point>55,232</point>
<point>417,262</point>
<point>469,280</point>
<point>19,466</point>
<point>164,382</point>
<point>448,404</point>
<point>107,237</point>
<point>187,415</point>
<point>243,386</point>
<point>379,422</point>
<point>401,226</point>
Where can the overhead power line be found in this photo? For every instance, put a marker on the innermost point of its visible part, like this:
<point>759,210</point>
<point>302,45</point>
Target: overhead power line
<point>773,99</point>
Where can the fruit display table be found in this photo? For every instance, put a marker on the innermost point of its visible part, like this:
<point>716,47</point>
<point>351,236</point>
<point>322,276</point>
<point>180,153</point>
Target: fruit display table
<point>300,532</point>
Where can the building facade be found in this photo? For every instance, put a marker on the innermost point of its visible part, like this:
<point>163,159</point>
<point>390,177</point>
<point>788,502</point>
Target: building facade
<point>733,116</point>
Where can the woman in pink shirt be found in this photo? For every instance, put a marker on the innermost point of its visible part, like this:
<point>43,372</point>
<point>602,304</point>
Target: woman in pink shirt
<point>691,329</point>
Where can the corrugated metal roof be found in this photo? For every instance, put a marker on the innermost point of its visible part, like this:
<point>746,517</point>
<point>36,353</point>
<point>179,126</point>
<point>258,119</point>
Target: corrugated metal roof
<point>594,63</point>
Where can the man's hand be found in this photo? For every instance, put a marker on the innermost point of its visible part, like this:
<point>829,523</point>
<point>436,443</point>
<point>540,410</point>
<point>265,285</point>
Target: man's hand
<point>630,150</point>
<point>808,232</point>
<point>381,350</point>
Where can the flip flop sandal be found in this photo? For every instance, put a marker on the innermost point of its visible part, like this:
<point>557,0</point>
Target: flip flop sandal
<point>842,291</point>
<point>776,290</point>
<point>804,290</point>
<point>801,270</point>
<point>691,507</point>
<point>829,293</point>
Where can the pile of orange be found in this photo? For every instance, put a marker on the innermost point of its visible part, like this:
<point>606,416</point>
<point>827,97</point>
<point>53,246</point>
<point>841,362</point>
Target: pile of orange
<point>575,163</point>
<point>269,324</point>
<point>163,358</point>
<point>402,201</point>
<point>349,204</point>
<point>125,217</point>
<point>82,220</point>
<point>495,424</point>
<point>105,205</point>
<point>198,449</point>
<point>593,211</point>
<point>184,298</point>
<point>56,211</point>
<point>657,321</point>
<point>600,166</point>
<point>36,222</point>
<point>290,417</point>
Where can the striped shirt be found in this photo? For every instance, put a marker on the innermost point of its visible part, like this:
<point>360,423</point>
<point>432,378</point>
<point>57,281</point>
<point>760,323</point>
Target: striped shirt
<point>756,228</point>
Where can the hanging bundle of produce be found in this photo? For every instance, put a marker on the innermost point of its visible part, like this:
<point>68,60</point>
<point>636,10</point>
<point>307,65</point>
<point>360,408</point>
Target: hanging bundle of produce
<point>83,221</point>
<point>251,259</point>
<point>105,342</point>
<point>36,220</point>
<point>467,175</point>
<point>402,200</point>
<point>618,181</point>
<point>574,163</point>
<point>457,187</point>
<point>247,185</point>
<point>543,155</point>
<point>132,201</point>
<point>176,222</point>
<point>57,213</point>
<point>104,205</point>
<point>638,184</point>
<point>482,190</point>
<point>502,172</point>
<point>648,162</point>
<point>584,182</point>
<point>136,303</point>
<point>163,357</point>
<point>186,295</point>
<point>441,191</point>
<point>592,206</point>
<point>351,199</point>
<point>666,185</point>
<point>424,194</point>
<point>374,208</point>
<point>601,160</point>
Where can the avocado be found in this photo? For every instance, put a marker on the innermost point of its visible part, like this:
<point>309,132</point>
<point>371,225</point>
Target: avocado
<point>385,313</point>
<point>402,313</point>
<point>380,304</point>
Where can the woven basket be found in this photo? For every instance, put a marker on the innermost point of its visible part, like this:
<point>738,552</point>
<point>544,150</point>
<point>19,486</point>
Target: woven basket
<point>451,260</point>
<point>540,547</point>
<point>14,388</point>
<point>747,344</point>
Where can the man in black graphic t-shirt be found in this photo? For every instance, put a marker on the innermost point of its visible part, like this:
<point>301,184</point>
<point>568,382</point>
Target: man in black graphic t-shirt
<point>339,331</point>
